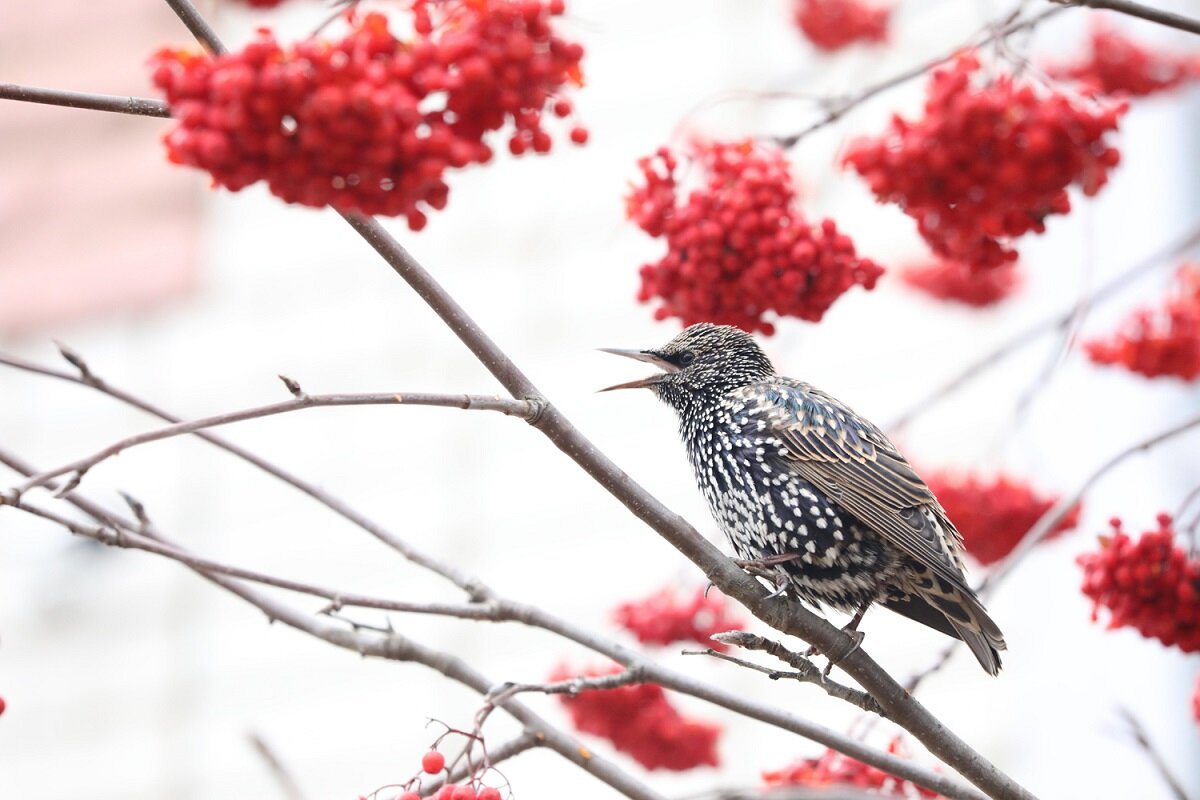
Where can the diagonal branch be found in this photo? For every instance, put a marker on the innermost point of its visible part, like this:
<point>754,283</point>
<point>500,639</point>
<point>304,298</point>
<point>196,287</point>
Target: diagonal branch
<point>838,107</point>
<point>1141,11</point>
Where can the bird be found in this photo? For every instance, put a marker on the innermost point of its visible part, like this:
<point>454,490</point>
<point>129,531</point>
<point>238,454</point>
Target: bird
<point>800,483</point>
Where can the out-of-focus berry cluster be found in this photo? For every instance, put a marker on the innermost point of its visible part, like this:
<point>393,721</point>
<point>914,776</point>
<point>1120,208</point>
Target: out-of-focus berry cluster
<point>373,122</point>
<point>959,282</point>
<point>988,161</point>
<point>640,721</point>
<point>1149,583</point>
<point>1115,64</point>
<point>665,618</point>
<point>833,769</point>
<point>1159,342</point>
<point>993,514</point>
<point>833,24</point>
<point>738,247</point>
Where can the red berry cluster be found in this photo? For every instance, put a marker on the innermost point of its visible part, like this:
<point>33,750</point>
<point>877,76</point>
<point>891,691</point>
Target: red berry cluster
<point>371,122</point>
<point>993,514</point>
<point>639,720</point>
<point>835,769</point>
<point>1150,584</point>
<point>1117,65</point>
<point>665,618</point>
<point>988,163</point>
<point>738,247</point>
<point>1162,341</point>
<point>957,281</point>
<point>833,24</point>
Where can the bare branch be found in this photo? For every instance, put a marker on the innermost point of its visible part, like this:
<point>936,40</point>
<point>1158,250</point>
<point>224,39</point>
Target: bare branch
<point>197,25</point>
<point>299,402</point>
<point>507,610</point>
<point>139,106</point>
<point>1139,10</point>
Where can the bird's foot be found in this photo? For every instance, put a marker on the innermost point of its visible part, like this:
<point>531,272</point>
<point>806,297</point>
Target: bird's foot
<point>769,568</point>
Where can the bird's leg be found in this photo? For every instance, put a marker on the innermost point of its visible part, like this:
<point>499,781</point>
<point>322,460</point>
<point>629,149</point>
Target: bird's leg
<point>850,629</point>
<point>769,568</point>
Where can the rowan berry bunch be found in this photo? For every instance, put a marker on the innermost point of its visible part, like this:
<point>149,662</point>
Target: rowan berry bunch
<point>640,721</point>
<point>835,769</point>
<point>664,617</point>
<point>1150,584</point>
<point>958,282</point>
<point>993,514</point>
<point>1115,64</point>
<point>988,161</point>
<point>371,122</point>
<point>1159,342</point>
<point>833,24</point>
<point>738,246</point>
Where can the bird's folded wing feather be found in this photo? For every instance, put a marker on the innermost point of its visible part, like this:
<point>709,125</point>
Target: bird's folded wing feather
<point>853,463</point>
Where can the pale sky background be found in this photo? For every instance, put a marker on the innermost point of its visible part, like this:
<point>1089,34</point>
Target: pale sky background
<point>129,678</point>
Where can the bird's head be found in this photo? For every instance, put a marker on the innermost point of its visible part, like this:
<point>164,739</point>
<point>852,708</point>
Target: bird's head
<point>703,360</point>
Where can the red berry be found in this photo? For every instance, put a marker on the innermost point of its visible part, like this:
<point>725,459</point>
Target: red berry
<point>665,618</point>
<point>738,246</point>
<point>993,514</point>
<point>1162,342</point>
<point>372,122</point>
<point>579,135</point>
<point>409,796</point>
<point>641,721</point>
<point>834,769</point>
<point>987,163</point>
<point>1151,584</point>
<point>464,792</point>
<point>489,793</point>
<point>1118,65</point>
<point>3,705</point>
<point>834,24</point>
<point>433,762</point>
<point>958,282</point>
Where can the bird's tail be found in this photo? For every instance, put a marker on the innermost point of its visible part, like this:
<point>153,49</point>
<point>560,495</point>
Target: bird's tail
<point>957,612</point>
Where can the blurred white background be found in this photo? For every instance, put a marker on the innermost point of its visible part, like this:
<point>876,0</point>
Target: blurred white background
<point>128,677</point>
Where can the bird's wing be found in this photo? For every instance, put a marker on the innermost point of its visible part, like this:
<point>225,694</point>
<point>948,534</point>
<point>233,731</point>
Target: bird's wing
<point>853,463</point>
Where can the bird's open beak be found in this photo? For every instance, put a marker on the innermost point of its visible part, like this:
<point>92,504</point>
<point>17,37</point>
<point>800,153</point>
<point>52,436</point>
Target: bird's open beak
<point>640,355</point>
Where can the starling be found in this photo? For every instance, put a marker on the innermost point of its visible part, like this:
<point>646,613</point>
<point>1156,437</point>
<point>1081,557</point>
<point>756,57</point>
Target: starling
<point>797,480</point>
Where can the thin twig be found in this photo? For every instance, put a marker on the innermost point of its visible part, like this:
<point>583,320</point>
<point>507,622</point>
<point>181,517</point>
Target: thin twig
<point>1139,10</point>
<point>1048,521</point>
<point>1160,764</point>
<point>283,776</point>
<point>1031,334</point>
<point>138,106</point>
<point>838,107</point>
<point>298,402</point>
<point>805,670</point>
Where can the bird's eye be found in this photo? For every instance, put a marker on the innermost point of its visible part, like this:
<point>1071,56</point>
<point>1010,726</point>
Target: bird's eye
<point>686,358</point>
